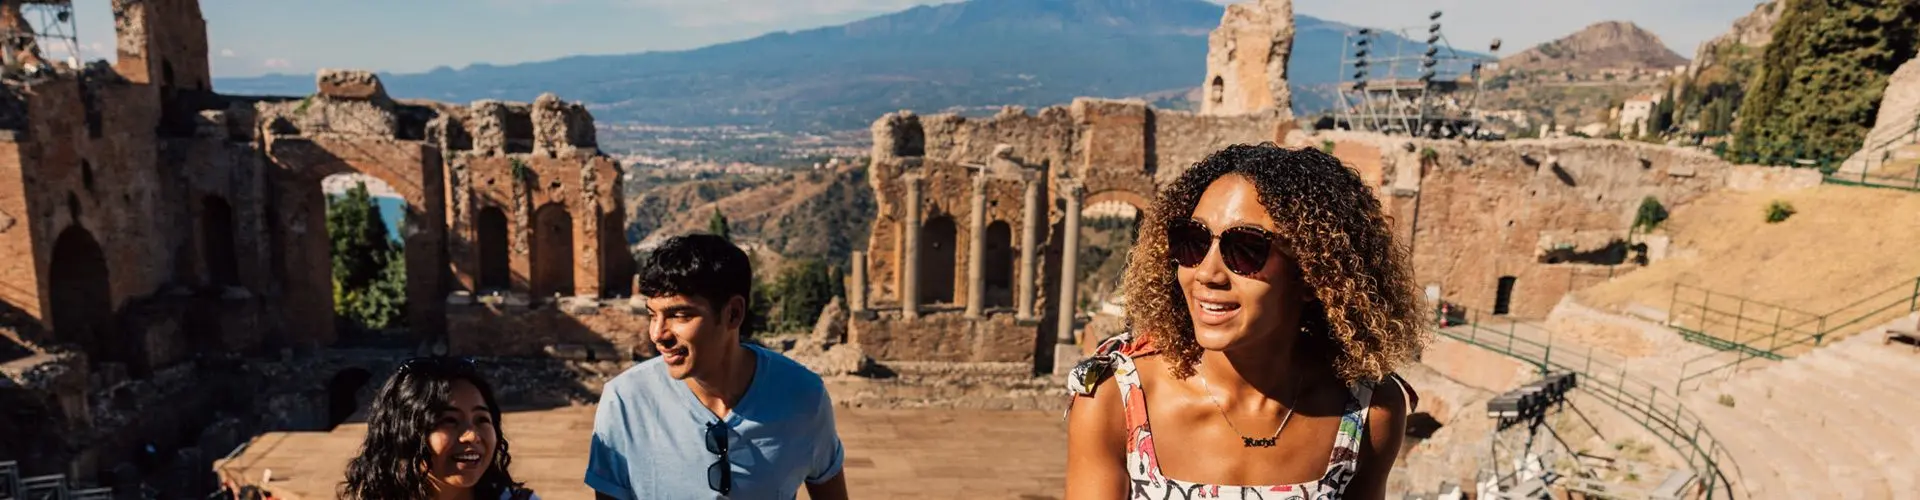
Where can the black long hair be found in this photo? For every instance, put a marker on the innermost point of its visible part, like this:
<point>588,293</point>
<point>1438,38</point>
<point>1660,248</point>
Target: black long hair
<point>389,465</point>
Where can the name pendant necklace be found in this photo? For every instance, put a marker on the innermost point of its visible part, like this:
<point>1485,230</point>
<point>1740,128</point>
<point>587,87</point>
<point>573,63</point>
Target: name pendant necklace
<point>1249,441</point>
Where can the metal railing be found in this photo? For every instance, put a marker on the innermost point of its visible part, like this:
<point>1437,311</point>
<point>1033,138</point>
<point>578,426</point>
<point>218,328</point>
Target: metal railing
<point>1729,322</point>
<point>48,487</point>
<point>1660,413</point>
<point>1866,179</point>
<point>1796,334</point>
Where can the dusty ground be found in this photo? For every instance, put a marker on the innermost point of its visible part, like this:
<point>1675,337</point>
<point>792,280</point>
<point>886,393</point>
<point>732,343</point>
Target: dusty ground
<point>1843,244</point>
<point>890,454</point>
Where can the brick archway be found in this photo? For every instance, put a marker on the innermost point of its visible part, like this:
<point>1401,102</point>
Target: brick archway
<point>496,272</point>
<point>216,242</point>
<point>1139,201</point>
<point>414,173</point>
<point>938,257</point>
<point>552,251</point>
<point>82,299</point>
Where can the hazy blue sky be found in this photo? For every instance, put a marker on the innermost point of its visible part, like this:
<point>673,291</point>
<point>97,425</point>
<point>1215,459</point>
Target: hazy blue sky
<point>251,37</point>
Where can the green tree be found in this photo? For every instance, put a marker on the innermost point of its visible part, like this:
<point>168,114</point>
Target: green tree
<point>718,225</point>
<point>800,292</point>
<point>1662,118</point>
<point>369,271</point>
<point>1820,81</point>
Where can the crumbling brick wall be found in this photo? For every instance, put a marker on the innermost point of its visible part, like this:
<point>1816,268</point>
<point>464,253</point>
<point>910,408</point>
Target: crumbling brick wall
<point>1117,150</point>
<point>1476,212</point>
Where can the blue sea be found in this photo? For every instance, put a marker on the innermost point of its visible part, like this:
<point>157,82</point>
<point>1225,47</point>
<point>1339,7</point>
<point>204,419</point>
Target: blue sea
<point>393,211</point>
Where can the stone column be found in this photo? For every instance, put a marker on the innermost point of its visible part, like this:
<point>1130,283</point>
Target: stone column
<point>1070,189</point>
<point>1029,252</point>
<point>857,286</point>
<point>910,259</point>
<point>977,249</point>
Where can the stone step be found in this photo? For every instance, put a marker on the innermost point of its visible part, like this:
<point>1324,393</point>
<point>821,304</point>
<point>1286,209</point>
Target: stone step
<point>1879,363</point>
<point>1900,361</point>
<point>1887,444</point>
<point>1801,443</point>
<point>1851,449</point>
<point>1751,451</point>
<point>1864,389</point>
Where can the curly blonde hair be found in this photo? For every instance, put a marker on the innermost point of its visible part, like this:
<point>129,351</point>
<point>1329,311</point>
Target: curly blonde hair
<point>1367,317</point>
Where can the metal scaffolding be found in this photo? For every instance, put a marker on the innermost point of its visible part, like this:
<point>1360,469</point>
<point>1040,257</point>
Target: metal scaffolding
<point>1429,93</point>
<point>44,31</point>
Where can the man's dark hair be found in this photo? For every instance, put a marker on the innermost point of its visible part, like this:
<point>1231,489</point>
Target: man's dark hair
<point>698,265</point>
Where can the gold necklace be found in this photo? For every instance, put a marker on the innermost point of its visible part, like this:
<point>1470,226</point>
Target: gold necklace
<point>1249,441</point>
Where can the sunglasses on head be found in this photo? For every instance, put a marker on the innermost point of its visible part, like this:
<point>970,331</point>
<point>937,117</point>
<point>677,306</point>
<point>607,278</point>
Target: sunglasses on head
<point>720,474</point>
<point>1244,249</point>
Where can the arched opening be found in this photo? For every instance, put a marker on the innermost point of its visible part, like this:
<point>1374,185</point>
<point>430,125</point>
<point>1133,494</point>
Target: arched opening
<point>552,251</point>
<point>1217,91</point>
<point>216,242</point>
<point>1503,296</point>
<point>343,395</point>
<point>82,300</point>
<point>616,259</point>
<point>910,140</point>
<point>937,260</point>
<point>495,272</point>
<point>999,264</point>
<point>1109,227</point>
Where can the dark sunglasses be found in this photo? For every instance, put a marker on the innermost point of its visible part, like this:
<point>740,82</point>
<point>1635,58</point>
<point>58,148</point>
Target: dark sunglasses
<point>1243,248</point>
<point>720,474</point>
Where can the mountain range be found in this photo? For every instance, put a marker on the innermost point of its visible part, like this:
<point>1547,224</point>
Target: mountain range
<point>975,55</point>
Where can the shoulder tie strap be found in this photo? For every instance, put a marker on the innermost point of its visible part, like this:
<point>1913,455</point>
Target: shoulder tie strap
<point>1087,375</point>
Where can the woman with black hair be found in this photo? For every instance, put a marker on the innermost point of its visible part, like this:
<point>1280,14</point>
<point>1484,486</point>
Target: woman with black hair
<point>434,433</point>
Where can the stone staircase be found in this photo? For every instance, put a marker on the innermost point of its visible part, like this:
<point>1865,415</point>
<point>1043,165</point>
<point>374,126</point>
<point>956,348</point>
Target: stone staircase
<point>49,487</point>
<point>1834,423</point>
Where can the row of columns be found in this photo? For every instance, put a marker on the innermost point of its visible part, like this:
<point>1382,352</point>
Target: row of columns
<point>1028,268</point>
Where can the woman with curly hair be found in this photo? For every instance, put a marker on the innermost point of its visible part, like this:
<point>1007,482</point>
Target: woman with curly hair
<point>1269,306</point>
<point>433,433</point>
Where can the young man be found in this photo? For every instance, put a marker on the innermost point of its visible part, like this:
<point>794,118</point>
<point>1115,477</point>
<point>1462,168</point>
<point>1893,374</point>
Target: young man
<point>711,417</point>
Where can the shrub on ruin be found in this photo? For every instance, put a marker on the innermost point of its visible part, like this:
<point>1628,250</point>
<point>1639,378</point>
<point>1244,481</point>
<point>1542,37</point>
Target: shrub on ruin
<point>1651,214</point>
<point>1778,211</point>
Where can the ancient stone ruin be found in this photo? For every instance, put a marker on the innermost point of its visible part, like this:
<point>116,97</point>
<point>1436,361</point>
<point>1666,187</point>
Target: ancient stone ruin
<point>1247,60</point>
<point>165,235</point>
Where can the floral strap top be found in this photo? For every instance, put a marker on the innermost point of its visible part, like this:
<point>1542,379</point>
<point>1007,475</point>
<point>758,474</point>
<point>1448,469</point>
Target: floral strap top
<point>1115,358</point>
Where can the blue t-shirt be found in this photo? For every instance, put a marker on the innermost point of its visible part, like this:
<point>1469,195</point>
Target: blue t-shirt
<point>649,434</point>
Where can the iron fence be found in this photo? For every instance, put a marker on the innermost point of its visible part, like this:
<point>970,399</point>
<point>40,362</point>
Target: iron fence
<point>1660,413</point>
<point>1801,332</point>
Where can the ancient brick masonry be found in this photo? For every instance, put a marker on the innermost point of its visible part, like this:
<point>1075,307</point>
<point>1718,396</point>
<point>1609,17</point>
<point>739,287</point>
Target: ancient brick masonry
<point>1503,225</point>
<point>939,179</point>
<point>157,227</point>
<point>1247,60</point>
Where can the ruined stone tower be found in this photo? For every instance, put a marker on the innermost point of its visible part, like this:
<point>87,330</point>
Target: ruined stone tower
<point>1247,60</point>
<point>162,42</point>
